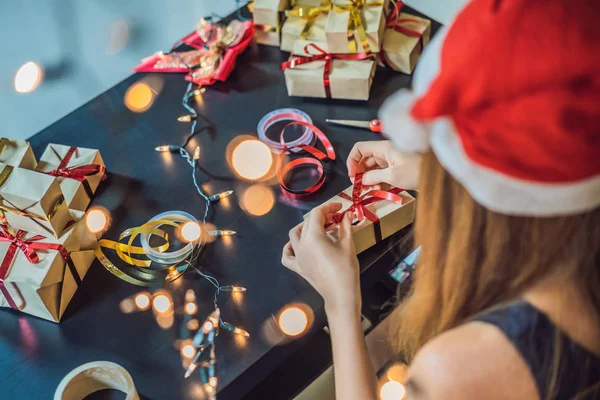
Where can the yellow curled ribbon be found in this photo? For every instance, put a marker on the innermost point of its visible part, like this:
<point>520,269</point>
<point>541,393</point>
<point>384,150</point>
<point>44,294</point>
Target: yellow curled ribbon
<point>308,13</point>
<point>356,24</point>
<point>139,272</point>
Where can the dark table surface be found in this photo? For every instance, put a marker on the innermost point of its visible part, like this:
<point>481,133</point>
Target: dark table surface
<point>35,354</point>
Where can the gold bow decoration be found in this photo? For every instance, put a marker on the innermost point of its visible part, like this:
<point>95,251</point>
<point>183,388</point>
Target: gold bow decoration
<point>356,24</point>
<point>308,13</point>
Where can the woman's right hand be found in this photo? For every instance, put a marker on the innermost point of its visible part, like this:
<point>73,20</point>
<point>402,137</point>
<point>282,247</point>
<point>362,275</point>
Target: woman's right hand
<point>382,163</point>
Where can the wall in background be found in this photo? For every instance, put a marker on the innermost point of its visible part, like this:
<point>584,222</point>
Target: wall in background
<point>87,47</point>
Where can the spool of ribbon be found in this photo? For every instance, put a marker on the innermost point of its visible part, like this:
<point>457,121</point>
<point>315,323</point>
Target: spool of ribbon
<point>28,246</point>
<point>285,114</point>
<point>360,202</point>
<point>308,13</point>
<point>283,171</point>
<point>170,266</point>
<point>79,172</point>
<point>356,25</point>
<point>94,376</point>
<point>321,55</point>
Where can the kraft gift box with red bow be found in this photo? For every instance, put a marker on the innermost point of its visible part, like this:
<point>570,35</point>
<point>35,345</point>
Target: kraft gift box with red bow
<point>378,214</point>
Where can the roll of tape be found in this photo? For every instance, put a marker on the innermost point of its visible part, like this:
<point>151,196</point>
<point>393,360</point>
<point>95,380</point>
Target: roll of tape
<point>171,257</point>
<point>94,376</point>
<point>285,114</point>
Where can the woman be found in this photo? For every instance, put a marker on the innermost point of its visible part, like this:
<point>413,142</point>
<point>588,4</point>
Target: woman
<point>504,143</point>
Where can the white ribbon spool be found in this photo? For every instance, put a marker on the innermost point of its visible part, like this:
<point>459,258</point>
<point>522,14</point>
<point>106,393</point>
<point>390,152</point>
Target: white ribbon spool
<point>94,376</point>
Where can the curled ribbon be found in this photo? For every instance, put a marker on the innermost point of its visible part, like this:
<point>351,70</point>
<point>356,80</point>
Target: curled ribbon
<point>322,55</point>
<point>360,202</point>
<point>28,247</point>
<point>355,23</point>
<point>319,157</point>
<point>78,173</point>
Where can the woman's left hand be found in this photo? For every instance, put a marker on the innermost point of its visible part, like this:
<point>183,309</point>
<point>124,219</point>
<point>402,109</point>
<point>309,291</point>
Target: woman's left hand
<point>330,267</point>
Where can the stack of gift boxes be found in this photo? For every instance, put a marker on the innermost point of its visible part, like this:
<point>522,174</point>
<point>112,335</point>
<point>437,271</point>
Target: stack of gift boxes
<point>375,32</point>
<point>45,246</point>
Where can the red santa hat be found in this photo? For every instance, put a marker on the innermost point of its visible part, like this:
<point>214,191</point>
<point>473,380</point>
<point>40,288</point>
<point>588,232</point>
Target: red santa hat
<point>508,99</point>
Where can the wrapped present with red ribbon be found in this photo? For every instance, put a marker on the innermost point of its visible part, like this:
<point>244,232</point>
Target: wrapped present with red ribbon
<point>78,170</point>
<point>405,38</point>
<point>216,48</point>
<point>39,275</point>
<point>312,71</point>
<point>32,201</point>
<point>17,153</point>
<point>377,213</point>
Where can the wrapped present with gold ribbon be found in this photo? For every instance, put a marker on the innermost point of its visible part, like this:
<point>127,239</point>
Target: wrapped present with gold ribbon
<point>405,38</point>
<point>356,26</point>
<point>17,153</point>
<point>79,172</point>
<point>32,201</point>
<point>377,214</point>
<point>304,23</point>
<point>39,275</point>
<point>312,71</point>
<point>269,12</point>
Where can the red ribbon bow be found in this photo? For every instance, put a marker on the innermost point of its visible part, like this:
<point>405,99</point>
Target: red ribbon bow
<point>319,155</point>
<point>28,247</point>
<point>361,201</point>
<point>77,173</point>
<point>396,23</point>
<point>322,56</point>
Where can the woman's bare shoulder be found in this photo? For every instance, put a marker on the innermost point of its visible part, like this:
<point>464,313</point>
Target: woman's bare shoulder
<point>472,361</point>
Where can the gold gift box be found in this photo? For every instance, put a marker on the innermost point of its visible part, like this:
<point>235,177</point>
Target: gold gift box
<point>401,52</point>
<point>45,288</point>
<point>268,12</point>
<point>373,20</point>
<point>349,79</point>
<point>392,218</point>
<point>74,191</point>
<point>17,153</point>
<point>32,201</point>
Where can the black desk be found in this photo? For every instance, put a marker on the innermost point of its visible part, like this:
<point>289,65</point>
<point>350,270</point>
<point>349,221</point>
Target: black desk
<point>35,355</point>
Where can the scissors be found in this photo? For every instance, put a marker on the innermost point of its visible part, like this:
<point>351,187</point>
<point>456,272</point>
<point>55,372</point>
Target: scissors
<point>374,125</point>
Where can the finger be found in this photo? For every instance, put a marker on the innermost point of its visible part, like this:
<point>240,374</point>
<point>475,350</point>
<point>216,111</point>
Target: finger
<point>365,149</point>
<point>288,259</point>
<point>346,227</point>
<point>318,217</point>
<point>376,176</point>
<point>295,234</point>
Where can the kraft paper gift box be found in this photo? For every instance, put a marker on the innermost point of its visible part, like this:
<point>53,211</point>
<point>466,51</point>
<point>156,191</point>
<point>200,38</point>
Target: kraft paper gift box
<point>402,46</point>
<point>372,17</point>
<point>349,79</point>
<point>268,12</point>
<point>392,218</point>
<point>293,27</point>
<point>32,201</point>
<point>78,193</point>
<point>312,3</point>
<point>17,153</point>
<point>45,287</point>
<point>268,36</point>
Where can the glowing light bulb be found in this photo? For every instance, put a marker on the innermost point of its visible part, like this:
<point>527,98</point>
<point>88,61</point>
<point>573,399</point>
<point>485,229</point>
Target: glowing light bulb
<point>186,118</point>
<point>28,77</point>
<point>142,301</point>
<point>166,147</point>
<point>190,231</point>
<point>161,303</point>
<point>221,195</point>
<point>188,351</point>
<point>198,92</point>
<point>213,381</point>
<point>207,327</point>
<point>190,308</point>
<point>96,220</point>
<point>392,390</point>
<point>293,321</point>
<point>197,153</point>
<point>239,331</point>
<point>233,289</point>
<point>252,159</point>
<point>220,232</point>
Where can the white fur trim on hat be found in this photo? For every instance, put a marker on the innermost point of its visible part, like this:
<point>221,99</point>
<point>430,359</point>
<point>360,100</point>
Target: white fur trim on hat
<point>506,194</point>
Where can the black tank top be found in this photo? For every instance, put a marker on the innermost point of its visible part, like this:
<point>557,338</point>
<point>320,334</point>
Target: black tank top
<point>534,336</point>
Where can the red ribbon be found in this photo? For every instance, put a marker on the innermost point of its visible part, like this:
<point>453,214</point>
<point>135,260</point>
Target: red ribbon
<point>77,173</point>
<point>319,157</point>
<point>361,201</point>
<point>322,55</point>
<point>393,21</point>
<point>28,247</point>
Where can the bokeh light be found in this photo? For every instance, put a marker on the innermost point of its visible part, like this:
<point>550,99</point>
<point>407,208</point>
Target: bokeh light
<point>127,306</point>
<point>139,97</point>
<point>142,301</point>
<point>97,220</point>
<point>162,303</point>
<point>193,325</point>
<point>252,159</point>
<point>190,295</point>
<point>392,390</point>
<point>257,200</point>
<point>293,321</point>
<point>165,321</point>
<point>28,77</point>
<point>191,308</point>
<point>397,372</point>
<point>190,231</point>
<point>188,350</point>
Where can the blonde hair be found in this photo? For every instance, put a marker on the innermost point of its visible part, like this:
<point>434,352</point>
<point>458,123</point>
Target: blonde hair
<point>474,259</point>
